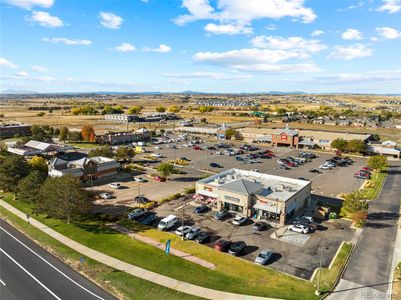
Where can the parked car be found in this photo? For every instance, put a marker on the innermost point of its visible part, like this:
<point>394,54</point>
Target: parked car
<point>202,238</point>
<point>156,155</point>
<point>184,158</point>
<point>324,167</point>
<point>314,171</point>
<point>159,179</point>
<point>259,226</point>
<point>105,195</point>
<point>299,228</point>
<point>115,185</point>
<point>215,165</point>
<point>149,219</point>
<point>167,222</point>
<point>193,233</point>
<point>263,257</point>
<point>196,148</point>
<point>255,170</point>
<point>306,221</point>
<point>139,179</point>
<point>221,214</point>
<point>239,220</point>
<point>182,230</point>
<point>136,213</point>
<point>237,248</point>
<point>239,158</point>
<point>141,199</point>
<point>201,209</point>
<point>222,245</point>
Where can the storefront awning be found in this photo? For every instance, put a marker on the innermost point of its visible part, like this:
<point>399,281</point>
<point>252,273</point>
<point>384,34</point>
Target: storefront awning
<point>291,207</point>
<point>267,207</point>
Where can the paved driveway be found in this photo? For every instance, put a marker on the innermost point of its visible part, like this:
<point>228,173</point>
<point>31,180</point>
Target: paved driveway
<point>369,269</point>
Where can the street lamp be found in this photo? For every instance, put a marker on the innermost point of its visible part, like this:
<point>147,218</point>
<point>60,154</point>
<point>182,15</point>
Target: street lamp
<point>182,221</point>
<point>275,229</point>
<point>318,291</point>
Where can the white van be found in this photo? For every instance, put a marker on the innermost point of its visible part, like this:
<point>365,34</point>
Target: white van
<point>115,185</point>
<point>167,223</point>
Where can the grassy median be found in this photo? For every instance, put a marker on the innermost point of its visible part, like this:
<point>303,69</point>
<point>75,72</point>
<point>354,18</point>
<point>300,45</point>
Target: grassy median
<point>232,274</point>
<point>377,180</point>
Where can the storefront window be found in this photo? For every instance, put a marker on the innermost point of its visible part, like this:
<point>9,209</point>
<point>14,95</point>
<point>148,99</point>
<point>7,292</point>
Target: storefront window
<point>233,207</point>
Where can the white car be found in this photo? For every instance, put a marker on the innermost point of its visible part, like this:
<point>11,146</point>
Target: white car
<point>298,228</point>
<point>115,185</point>
<point>182,230</point>
<point>239,220</point>
<point>157,147</point>
<point>255,170</point>
<point>139,179</point>
<point>157,155</point>
<point>105,195</point>
<point>324,167</point>
<point>185,145</point>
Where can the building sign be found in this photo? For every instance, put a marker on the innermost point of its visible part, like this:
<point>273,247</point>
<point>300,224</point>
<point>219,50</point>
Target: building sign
<point>232,199</point>
<point>284,137</point>
<point>208,188</point>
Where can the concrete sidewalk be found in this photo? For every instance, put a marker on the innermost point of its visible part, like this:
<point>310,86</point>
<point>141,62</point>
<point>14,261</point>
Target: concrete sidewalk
<point>162,280</point>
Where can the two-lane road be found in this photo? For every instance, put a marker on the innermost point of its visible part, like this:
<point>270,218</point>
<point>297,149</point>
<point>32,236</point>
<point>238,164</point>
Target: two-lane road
<point>27,271</point>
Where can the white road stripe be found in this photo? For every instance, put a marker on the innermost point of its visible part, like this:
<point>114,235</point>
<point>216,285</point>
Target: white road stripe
<point>55,268</point>
<point>2,282</point>
<point>33,277</point>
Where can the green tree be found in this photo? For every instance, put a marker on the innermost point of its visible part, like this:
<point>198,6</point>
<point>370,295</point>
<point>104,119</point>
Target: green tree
<point>161,109</point>
<point>134,110</point>
<point>74,136</point>
<point>375,137</point>
<point>63,133</point>
<point>378,162</point>
<point>165,169</point>
<point>203,109</point>
<point>230,133</point>
<point>356,146</point>
<point>280,111</point>
<point>174,109</point>
<point>339,144</point>
<point>38,163</point>
<point>29,187</point>
<point>63,198</point>
<point>12,170</point>
<point>355,202</point>
<point>104,151</point>
<point>125,153</point>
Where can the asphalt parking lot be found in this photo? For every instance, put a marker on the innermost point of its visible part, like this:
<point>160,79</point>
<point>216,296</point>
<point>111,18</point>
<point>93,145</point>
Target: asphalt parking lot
<point>299,261</point>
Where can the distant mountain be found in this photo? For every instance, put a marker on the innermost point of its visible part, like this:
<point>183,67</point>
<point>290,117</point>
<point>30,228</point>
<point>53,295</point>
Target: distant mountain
<point>17,92</point>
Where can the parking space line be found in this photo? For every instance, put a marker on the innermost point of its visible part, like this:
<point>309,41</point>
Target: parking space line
<point>2,282</point>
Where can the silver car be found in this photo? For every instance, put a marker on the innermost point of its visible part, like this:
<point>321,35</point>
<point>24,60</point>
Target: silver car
<point>193,233</point>
<point>263,257</point>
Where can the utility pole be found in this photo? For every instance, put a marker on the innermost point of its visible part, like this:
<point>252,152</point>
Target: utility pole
<point>275,229</point>
<point>139,189</point>
<point>182,221</point>
<point>317,292</point>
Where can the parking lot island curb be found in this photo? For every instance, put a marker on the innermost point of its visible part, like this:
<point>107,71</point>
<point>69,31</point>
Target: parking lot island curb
<point>112,262</point>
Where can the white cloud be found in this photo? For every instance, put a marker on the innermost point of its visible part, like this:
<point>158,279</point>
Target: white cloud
<point>110,20</point>
<point>258,60</point>
<point>161,49</point>
<point>317,33</point>
<point>29,4</point>
<point>45,19</point>
<point>211,75</point>
<point>350,52</point>
<point>229,29</point>
<point>67,41</point>
<point>351,34</point>
<point>291,43</point>
<point>240,11</point>
<point>21,74</point>
<point>388,33</point>
<point>271,27</point>
<point>391,6</point>
<point>7,63</point>
<point>39,69</point>
<point>370,76</point>
<point>125,47</point>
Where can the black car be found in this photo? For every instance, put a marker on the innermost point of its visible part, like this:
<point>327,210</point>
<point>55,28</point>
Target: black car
<point>184,158</point>
<point>215,165</point>
<point>259,226</point>
<point>149,219</point>
<point>306,222</point>
<point>237,248</point>
<point>221,214</point>
<point>201,209</point>
<point>141,199</point>
<point>203,238</point>
<point>314,171</point>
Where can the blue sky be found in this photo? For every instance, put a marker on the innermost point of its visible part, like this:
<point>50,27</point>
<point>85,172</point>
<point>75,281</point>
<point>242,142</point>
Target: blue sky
<point>201,45</point>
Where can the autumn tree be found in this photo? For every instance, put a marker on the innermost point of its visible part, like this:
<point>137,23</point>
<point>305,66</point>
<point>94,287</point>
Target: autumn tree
<point>63,198</point>
<point>174,109</point>
<point>134,110</point>
<point>38,163</point>
<point>63,133</point>
<point>88,133</point>
<point>356,146</point>
<point>378,162</point>
<point>160,109</point>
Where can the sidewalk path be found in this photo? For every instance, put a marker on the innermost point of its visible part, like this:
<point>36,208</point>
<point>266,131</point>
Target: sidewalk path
<point>161,246</point>
<point>162,280</point>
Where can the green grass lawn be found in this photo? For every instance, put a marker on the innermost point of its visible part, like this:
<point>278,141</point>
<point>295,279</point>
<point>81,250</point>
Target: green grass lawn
<point>122,284</point>
<point>84,145</point>
<point>329,277</point>
<point>372,193</point>
<point>231,274</point>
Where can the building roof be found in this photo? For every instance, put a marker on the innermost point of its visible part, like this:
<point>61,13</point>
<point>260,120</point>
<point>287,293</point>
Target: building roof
<point>37,145</point>
<point>242,186</point>
<point>307,143</point>
<point>287,131</point>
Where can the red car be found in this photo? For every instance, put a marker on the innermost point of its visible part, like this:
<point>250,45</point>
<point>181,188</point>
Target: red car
<point>270,155</point>
<point>196,148</point>
<point>159,179</point>
<point>222,245</point>
<point>290,164</point>
<point>367,169</point>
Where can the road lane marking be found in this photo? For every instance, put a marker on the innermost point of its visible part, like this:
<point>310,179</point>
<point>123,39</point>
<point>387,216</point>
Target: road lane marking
<point>2,282</point>
<point>55,268</point>
<point>33,277</point>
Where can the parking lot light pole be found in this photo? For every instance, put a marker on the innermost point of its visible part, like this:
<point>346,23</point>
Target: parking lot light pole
<point>182,221</point>
<point>275,229</point>
<point>139,189</point>
<point>317,292</point>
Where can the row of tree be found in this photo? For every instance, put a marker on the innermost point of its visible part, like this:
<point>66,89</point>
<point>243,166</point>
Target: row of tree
<point>57,197</point>
<point>352,146</point>
<point>86,134</point>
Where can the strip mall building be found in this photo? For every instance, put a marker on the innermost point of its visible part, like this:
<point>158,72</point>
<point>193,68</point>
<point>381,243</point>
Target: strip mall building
<point>253,194</point>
